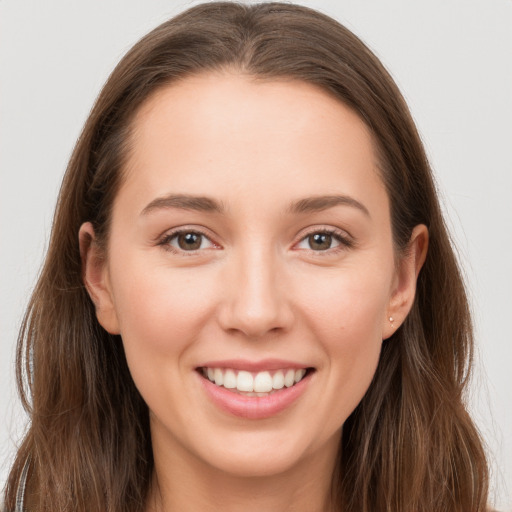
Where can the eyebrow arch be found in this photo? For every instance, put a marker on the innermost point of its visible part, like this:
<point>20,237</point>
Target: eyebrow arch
<point>184,202</point>
<point>320,203</point>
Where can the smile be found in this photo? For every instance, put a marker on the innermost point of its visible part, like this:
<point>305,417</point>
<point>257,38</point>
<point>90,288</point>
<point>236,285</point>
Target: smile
<point>259,384</point>
<point>254,390</point>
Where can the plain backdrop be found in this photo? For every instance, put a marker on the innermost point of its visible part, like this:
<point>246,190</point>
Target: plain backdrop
<point>453,62</point>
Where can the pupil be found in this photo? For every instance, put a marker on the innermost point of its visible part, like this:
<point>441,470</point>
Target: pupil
<point>189,241</point>
<point>320,241</point>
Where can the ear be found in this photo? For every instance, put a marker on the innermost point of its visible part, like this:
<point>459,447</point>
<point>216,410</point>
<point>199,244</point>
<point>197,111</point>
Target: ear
<point>404,284</point>
<point>96,278</point>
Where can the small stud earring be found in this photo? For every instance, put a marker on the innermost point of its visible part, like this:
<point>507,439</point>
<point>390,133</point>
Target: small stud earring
<point>391,320</point>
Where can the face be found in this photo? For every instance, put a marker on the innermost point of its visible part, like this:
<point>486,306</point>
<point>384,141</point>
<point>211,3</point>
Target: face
<point>250,270</point>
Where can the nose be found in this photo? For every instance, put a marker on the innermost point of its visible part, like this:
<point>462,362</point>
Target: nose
<point>256,300</point>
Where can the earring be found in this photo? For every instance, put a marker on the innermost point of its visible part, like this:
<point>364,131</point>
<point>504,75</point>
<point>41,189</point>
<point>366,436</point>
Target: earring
<point>391,320</point>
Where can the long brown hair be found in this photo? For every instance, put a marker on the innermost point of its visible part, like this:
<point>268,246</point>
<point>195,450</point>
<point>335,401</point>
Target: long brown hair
<point>410,444</point>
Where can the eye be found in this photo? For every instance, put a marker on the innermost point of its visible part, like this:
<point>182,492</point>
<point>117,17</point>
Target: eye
<point>320,241</point>
<point>187,241</point>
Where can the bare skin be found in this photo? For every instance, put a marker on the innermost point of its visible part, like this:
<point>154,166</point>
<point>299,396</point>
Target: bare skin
<point>252,226</point>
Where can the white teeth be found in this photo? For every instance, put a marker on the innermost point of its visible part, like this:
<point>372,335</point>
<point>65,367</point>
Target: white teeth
<point>278,380</point>
<point>244,381</point>
<point>263,382</point>
<point>258,384</point>
<point>230,379</point>
<point>299,374</point>
<point>218,376</point>
<point>289,378</point>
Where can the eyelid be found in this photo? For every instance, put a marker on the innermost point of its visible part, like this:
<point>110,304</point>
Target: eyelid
<point>164,239</point>
<point>346,241</point>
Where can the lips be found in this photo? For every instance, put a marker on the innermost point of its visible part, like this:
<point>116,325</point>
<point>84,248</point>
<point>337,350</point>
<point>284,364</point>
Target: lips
<point>254,390</point>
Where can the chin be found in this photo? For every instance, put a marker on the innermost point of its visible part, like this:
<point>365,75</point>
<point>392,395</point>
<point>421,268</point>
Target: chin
<point>257,464</point>
<point>266,453</point>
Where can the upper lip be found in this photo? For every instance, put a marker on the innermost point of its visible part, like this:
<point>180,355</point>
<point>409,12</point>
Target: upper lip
<point>254,366</point>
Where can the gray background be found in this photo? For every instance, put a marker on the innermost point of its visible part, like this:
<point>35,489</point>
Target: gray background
<point>453,62</point>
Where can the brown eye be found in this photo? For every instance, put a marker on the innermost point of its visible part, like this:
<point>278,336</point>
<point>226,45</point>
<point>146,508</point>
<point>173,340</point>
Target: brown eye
<point>320,241</point>
<point>323,241</point>
<point>189,241</point>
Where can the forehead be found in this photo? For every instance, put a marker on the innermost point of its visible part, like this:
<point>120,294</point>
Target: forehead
<point>230,131</point>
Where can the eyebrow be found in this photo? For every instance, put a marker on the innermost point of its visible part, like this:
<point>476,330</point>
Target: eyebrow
<point>209,205</point>
<point>320,203</point>
<point>184,202</point>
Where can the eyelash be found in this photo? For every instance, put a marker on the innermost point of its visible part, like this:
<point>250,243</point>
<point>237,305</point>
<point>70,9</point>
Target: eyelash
<point>165,241</point>
<point>345,241</point>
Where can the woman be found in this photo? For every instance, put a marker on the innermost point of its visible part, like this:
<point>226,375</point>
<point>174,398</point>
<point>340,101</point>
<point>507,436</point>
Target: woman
<point>250,298</point>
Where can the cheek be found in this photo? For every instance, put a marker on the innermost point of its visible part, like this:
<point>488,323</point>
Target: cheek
<point>161,314</point>
<point>160,309</point>
<point>348,305</point>
<point>347,315</point>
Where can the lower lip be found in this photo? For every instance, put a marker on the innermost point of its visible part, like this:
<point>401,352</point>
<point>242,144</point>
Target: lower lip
<point>254,408</point>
